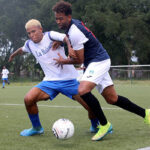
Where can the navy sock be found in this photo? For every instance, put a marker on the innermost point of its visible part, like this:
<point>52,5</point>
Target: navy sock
<point>34,118</point>
<point>94,104</point>
<point>126,104</point>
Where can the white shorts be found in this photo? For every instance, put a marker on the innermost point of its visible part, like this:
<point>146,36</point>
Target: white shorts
<point>80,72</point>
<point>97,72</point>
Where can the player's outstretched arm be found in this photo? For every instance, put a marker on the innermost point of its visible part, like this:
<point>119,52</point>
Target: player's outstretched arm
<point>19,51</point>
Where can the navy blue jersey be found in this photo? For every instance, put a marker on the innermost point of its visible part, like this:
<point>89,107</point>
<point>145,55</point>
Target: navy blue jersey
<point>93,49</point>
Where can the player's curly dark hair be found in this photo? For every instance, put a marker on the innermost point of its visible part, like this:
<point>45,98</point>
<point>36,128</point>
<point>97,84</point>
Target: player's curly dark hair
<point>62,7</point>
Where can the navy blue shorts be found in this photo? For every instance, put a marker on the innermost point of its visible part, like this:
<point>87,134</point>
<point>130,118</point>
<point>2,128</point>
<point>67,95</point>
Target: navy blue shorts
<point>53,88</point>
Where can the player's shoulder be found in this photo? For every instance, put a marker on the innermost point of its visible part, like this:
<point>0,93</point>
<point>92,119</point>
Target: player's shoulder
<point>74,31</point>
<point>28,41</point>
<point>27,46</point>
<point>76,28</point>
<point>51,35</point>
<point>47,34</point>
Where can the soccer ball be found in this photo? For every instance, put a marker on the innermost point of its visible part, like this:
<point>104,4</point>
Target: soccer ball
<point>63,128</point>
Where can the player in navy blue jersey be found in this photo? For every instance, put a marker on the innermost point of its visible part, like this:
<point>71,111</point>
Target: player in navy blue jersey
<point>86,48</point>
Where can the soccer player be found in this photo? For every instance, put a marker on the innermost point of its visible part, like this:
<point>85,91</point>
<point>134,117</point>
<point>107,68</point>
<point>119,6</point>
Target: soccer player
<point>58,79</point>
<point>5,73</point>
<point>86,48</point>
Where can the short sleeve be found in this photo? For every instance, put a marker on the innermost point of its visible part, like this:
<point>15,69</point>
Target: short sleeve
<point>56,36</point>
<point>26,47</point>
<point>77,38</point>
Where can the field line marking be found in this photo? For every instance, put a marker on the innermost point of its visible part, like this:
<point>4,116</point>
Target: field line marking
<point>55,106</point>
<point>144,148</point>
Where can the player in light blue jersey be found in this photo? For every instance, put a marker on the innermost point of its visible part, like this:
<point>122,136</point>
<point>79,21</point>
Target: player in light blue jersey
<point>58,79</point>
<point>87,49</point>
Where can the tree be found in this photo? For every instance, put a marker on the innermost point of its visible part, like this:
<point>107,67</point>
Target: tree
<point>14,14</point>
<point>121,26</point>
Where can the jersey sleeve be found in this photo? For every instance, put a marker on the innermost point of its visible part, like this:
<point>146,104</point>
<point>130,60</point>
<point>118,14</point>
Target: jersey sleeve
<point>56,36</point>
<point>77,39</point>
<point>26,48</point>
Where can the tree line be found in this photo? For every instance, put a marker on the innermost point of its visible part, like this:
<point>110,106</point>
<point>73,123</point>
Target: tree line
<point>122,26</point>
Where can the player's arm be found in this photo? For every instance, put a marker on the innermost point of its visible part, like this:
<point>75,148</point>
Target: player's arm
<point>57,39</point>
<point>77,40</point>
<point>56,44</point>
<point>19,51</point>
<point>62,38</point>
<point>74,57</point>
<point>71,51</point>
<point>70,60</point>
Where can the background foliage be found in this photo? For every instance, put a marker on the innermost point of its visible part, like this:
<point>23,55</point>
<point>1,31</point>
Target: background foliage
<point>121,26</point>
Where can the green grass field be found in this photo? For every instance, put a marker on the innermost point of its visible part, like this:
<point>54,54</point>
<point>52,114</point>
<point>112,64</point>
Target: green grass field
<point>130,132</point>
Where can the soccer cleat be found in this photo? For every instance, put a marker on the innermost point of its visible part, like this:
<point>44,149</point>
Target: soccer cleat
<point>32,131</point>
<point>94,129</point>
<point>102,132</point>
<point>147,116</point>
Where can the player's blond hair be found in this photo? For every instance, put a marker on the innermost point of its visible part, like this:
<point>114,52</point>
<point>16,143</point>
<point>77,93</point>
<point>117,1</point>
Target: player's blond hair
<point>32,22</point>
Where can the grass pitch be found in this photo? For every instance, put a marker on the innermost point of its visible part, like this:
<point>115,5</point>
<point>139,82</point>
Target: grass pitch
<point>130,132</point>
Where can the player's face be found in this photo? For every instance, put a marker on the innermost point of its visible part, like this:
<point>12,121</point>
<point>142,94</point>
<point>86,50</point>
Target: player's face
<point>35,33</point>
<point>62,20</point>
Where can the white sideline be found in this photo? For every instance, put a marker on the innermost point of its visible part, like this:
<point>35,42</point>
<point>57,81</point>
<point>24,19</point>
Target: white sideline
<point>144,148</point>
<point>54,106</point>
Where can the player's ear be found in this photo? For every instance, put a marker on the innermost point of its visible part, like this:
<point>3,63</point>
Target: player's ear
<point>69,17</point>
<point>41,29</point>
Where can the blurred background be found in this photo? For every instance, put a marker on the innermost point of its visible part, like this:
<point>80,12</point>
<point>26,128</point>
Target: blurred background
<point>122,26</point>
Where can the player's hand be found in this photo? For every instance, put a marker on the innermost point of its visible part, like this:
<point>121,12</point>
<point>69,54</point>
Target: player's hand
<point>72,53</point>
<point>59,61</point>
<point>56,44</point>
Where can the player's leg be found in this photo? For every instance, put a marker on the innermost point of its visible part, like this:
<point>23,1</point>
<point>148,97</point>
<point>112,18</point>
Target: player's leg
<point>106,126</point>
<point>111,97</point>
<point>91,100</point>
<point>3,84</point>
<point>92,77</point>
<point>30,100</point>
<point>80,100</point>
<point>7,81</point>
<point>92,117</point>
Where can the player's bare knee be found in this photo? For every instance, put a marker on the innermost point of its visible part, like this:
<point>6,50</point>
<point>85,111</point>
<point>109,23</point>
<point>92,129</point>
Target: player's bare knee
<point>28,100</point>
<point>111,99</point>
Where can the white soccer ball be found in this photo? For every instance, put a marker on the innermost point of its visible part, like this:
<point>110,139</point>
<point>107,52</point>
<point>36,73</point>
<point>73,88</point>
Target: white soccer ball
<point>63,128</point>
